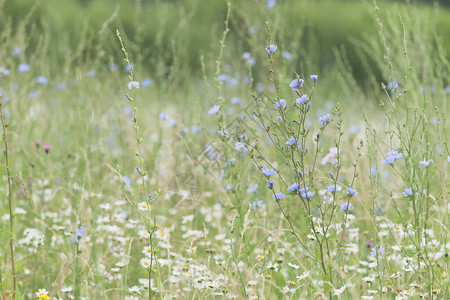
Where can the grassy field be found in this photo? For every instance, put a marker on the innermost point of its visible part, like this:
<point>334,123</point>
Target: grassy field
<point>254,154</point>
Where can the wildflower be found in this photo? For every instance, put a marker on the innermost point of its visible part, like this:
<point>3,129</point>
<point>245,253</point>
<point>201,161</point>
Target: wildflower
<point>425,163</point>
<point>270,184</point>
<point>256,204</point>
<point>91,73</point>
<point>296,84</point>
<point>248,59</point>
<point>293,187</point>
<point>42,294</point>
<point>278,196</point>
<point>47,148</point>
<point>135,290</point>
<point>392,85</point>
<point>32,94</point>
<point>302,99</point>
<point>42,80</point>
<point>280,104</point>
<point>128,68</point>
<point>17,51</point>
<point>271,49</point>
<point>408,192</point>
<point>24,68</point>
<point>223,78</point>
<point>270,4</point>
<point>37,143</point>
<point>191,250</point>
<point>314,78</point>
<point>346,207</point>
<point>377,252</point>
<point>351,191</point>
<point>146,82</point>
<point>448,158</point>
<point>331,188</point>
<point>287,55</point>
<point>133,84</point>
<point>291,141</point>
<point>252,188</point>
<point>331,157</point>
<point>324,119</point>
<point>145,262</point>
<point>391,157</point>
<point>143,206</point>
<point>307,195</point>
<point>279,118</point>
<point>369,244</point>
<point>80,232</point>
<point>214,110</point>
<point>268,172</point>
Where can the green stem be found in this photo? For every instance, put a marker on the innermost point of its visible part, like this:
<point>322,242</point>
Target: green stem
<point>11,215</point>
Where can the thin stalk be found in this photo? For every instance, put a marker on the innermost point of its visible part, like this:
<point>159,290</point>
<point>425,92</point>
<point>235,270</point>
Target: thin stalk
<point>11,215</point>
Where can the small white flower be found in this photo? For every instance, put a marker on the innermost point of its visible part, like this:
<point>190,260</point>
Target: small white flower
<point>133,84</point>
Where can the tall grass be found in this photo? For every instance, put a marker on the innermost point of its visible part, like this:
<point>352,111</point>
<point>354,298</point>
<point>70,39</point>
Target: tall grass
<point>231,184</point>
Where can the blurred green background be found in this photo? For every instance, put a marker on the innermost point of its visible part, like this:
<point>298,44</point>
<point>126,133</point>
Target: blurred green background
<point>166,32</point>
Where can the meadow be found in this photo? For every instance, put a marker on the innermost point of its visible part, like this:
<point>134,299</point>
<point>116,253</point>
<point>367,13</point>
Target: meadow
<point>245,154</point>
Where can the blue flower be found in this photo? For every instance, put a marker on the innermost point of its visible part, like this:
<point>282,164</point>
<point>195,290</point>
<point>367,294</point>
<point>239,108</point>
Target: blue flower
<point>32,94</point>
<point>270,4</point>
<point>223,78</point>
<point>80,232</point>
<point>324,119</point>
<point>351,191</point>
<point>279,118</point>
<point>42,80</point>
<point>133,84</point>
<point>346,206</point>
<point>448,158</point>
<point>126,180</point>
<point>447,90</point>
<point>271,49</point>
<point>235,100</point>
<point>257,204</point>
<point>291,141</point>
<point>377,252</point>
<point>408,192</point>
<point>268,172</point>
<point>270,184</point>
<point>214,110</point>
<point>278,196</point>
<point>17,51</point>
<point>24,68</point>
<point>252,188</point>
<point>307,195</point>
<point>128,69</point>
<point>91,73</point>
<point>303,190</point>
<point>248,59</point>
<point>146,82</point>
<point>287,55</point>
<point>314,78</point>
<point>302,99</point>
<point>280,104</point>
<point>293,187</point>
<point>425,163</point>
<point>331,188</point>
<point>391,157</point>
<point>296,84</point>
<point>392,85</point>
